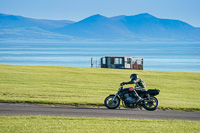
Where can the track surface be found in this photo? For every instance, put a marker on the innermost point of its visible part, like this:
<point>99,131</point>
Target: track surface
<point>8,109</point>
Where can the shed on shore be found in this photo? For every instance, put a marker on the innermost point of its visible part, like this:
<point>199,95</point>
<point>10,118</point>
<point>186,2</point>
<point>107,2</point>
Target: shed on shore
<point>121,62</point>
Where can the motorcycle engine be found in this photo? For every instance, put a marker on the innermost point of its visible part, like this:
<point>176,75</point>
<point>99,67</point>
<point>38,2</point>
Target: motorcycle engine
<point>129,101</point>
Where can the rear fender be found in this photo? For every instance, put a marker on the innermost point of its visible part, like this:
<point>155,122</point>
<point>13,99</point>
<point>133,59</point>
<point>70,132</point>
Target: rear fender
<point>152,92</point>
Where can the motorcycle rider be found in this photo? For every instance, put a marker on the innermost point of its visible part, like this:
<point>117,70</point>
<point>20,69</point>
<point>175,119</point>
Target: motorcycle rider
<point>140,85</point>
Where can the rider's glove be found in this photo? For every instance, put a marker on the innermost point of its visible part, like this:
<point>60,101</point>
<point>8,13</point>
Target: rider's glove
<point>122,84</point>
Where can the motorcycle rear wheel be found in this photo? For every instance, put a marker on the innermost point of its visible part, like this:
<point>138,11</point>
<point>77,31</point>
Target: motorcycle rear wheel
<point>112,104</point>
<point>151,104</point>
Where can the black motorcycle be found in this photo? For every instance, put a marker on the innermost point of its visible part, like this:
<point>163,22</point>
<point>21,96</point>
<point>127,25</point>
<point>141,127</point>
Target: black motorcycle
<point>149,102</point>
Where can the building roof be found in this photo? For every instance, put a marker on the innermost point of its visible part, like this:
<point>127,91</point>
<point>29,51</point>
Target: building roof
<point>119,56</point>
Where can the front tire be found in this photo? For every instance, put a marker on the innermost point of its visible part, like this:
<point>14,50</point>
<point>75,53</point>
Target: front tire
<point>112,104</point>
<point>151,104</point>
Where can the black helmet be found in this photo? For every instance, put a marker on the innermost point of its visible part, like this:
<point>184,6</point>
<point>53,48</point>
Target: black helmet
<point>133,76</point>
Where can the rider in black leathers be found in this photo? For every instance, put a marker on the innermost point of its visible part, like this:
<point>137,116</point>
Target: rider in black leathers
<point>140,85</point>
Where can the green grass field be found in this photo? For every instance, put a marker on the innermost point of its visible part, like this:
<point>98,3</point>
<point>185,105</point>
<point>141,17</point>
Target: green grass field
<point>90,86</point>
<point>41,124</point>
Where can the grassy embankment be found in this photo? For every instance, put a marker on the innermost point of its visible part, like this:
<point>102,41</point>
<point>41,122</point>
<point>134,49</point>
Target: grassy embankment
<point>86,86</point>
<point>41,124</point>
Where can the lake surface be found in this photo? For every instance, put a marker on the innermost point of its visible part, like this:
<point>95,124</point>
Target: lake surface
<point>183,57</point>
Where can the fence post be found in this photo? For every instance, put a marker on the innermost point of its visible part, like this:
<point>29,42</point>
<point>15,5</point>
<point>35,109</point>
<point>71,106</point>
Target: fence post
<point>92,63</point>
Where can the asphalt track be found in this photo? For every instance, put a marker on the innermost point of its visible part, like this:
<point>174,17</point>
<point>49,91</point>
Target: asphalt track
<point>10,109</point>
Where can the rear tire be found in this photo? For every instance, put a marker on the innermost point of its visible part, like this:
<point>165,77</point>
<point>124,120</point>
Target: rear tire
<point>151,104</point>
<point>112,104</point>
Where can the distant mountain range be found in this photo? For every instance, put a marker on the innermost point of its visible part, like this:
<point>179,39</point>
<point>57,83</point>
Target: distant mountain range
<point>142,27</point>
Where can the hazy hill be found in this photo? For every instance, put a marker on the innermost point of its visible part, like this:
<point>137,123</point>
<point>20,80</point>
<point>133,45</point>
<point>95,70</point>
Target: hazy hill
<point>12,21</point>
<point>148,26</point>
<point>22,28</point>
<point>141,27</point>
<point>96,27</point>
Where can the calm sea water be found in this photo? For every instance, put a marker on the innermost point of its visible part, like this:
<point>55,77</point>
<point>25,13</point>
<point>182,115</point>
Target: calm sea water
<point>157,56</point>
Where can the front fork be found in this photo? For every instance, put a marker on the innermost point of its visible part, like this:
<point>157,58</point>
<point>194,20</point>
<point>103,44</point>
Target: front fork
<point>116,94</point>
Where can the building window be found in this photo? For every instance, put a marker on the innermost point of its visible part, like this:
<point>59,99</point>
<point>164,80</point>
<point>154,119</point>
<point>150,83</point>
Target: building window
<point>118,60</point>
<point>103,61</point>
<point>128,60</point>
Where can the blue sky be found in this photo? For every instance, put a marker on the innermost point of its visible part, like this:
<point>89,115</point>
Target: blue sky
<point>185,10</point>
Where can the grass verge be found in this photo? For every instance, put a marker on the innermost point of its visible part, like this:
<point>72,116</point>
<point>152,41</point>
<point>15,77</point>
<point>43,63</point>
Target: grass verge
<point>87,86</point>
<point>42,124</point>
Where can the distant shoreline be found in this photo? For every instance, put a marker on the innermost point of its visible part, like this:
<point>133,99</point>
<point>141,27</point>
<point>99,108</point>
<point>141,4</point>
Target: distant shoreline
<point>182,57</point>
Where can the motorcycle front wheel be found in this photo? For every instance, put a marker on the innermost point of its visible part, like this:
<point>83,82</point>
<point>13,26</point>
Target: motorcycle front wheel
<point>111,103</point>
<point>151,104</point>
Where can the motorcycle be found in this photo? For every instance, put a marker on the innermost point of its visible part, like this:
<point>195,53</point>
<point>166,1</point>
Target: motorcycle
<point>148,101</point>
